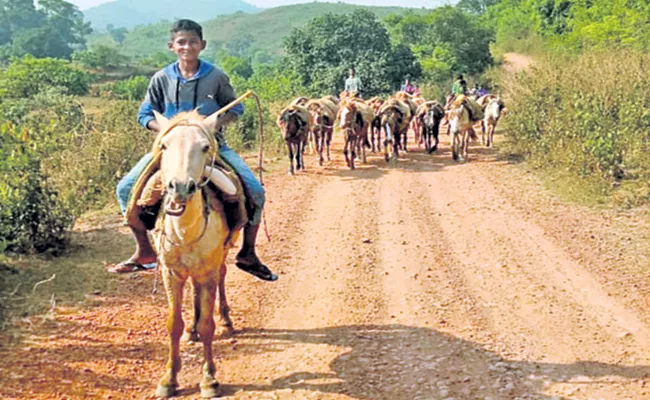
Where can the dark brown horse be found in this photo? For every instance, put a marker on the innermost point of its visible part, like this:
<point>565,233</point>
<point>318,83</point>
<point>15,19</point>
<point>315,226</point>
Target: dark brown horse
<point>294,122</point>
<point>429,116</point>
<point>375,127</point>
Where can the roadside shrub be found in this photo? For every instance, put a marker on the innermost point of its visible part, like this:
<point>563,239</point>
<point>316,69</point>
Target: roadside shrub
<point>27,76</point>
<point>32,216</point>
<point>133,88</point>
<point>588,116</point>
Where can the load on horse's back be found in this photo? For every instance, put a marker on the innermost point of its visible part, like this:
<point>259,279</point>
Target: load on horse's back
<point>295,124</point>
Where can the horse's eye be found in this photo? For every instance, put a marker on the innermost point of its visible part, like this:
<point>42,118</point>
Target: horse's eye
<point>206,148</point>
<point>163,147</point>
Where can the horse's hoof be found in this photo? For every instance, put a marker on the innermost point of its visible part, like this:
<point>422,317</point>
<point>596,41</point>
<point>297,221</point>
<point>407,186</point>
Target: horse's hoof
<point>387,158</point>
<point>166,391</point>
<point>193,337</point>
<point>225,331</point>
<point>209,391</point>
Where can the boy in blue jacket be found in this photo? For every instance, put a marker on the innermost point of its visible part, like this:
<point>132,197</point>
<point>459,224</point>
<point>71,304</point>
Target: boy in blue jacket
<point>185,85</point>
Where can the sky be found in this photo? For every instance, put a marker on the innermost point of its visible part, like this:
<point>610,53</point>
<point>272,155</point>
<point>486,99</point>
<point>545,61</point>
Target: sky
<point>84,4</point>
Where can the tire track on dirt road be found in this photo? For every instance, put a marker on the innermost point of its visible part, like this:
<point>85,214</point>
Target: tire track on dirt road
<point>541,305</point>
<point>311,315</point>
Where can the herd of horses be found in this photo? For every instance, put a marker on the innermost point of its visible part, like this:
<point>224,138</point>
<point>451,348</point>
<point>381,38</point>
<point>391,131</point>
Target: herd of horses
<point>312,122</point>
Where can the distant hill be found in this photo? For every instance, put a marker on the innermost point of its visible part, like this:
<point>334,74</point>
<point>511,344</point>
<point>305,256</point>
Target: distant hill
<point>265,29</point>
<point>130,13</point>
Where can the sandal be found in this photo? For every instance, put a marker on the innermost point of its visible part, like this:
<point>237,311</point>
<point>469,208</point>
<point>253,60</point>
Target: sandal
<point>258,270</point>
<point>131,266</point>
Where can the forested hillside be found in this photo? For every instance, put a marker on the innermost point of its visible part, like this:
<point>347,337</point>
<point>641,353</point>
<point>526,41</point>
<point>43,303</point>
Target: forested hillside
<point>260,33</point>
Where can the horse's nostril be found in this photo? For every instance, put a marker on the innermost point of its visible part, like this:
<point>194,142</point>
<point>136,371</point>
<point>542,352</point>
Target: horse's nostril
<point>171,185</point>
<point>191,187</point>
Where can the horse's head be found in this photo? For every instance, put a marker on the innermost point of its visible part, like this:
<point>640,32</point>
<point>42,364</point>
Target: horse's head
<point>346,116</point>
<point>187,145</point>
<point>458,118</point>
<point>495,108</point>
<point>291,123</point>
<point>432,114</point>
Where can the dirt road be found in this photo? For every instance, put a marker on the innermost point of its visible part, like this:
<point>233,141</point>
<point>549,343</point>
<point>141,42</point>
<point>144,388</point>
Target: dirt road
<point>425,279</point>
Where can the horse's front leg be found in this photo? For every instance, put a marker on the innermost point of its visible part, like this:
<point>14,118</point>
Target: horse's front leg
<point>364,142</point>
<point>300,154</point>
<point>290,147</point>
<point>454,146</point>
<point>328,141</point>
<point>345,149</point>
<point>224,308</point>
<point>320,145</point>
<point>174,288</point>
<point>405,136</point>
<point>491,129</point>
<point>483,132</point>
<point>193,332</point>
<point>310,139</point>
<point>209,385</point>
<point>354,143</point>
<point>466,145</point>
<point>436,137</point>
<point>388,142</point>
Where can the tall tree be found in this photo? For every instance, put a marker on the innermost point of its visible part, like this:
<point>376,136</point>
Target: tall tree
<point>54,28</point>
<point>447,40</point>
<point>322,51</point>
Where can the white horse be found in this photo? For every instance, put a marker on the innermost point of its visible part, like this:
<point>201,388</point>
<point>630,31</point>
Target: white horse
<point>461,129</point>
<point>493,112</point>
<point>192,239</point>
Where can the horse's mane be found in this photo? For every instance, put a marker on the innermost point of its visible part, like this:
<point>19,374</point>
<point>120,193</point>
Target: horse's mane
<point>186,116</point>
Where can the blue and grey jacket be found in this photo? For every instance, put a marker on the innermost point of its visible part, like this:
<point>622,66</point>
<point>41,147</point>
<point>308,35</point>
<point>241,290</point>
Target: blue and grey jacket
<point>169,93</point>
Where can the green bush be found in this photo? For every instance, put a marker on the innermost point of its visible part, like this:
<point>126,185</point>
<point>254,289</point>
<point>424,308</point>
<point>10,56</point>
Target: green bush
<point>32,217</point>
<point>588,116</point>
<point>133,88</point>
<point>27,76</point>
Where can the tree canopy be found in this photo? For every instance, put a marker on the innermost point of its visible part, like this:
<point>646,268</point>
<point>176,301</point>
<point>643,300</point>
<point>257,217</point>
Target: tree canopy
<point>323,51</point>
<point>447,40</point>
<point>53,28</point>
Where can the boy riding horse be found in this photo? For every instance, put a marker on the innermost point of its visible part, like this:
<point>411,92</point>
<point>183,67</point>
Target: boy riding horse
<point>185,85</point>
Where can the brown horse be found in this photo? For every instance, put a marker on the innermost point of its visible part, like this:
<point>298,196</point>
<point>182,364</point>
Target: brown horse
<point>295,123</point>
<point>375,127</point>
<point>192,239</point>
<point>409,100</point>
<point>322,117</point>
<point>354,119</point>
<point>395,117</point>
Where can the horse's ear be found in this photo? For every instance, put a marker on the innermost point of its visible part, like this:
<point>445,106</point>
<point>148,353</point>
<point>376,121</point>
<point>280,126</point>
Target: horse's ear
<point>161,120</point>
<point>211,122</point>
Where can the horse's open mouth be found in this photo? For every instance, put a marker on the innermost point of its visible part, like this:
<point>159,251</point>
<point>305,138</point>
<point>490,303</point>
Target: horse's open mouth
<point>174,209</point>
